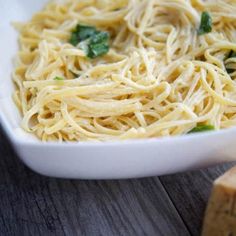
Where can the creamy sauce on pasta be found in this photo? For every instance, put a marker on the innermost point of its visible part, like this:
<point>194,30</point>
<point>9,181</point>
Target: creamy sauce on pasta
<point>160,77</point>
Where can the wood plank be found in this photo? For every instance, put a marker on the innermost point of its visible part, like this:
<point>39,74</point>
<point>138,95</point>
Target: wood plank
<point>190,192</point>
<point>35,205</point>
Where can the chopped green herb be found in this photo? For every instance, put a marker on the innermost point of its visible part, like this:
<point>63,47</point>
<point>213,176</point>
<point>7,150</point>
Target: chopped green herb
<point>231,54</point>
<point>93,42</point>
<point>202,128</point>
<point>100,37</point>
<point>81,33</point>
<point>85,32</point>
<point>206,24</point>
<point>58,78</point>
<point>74,40</point>
<point>98,45</point>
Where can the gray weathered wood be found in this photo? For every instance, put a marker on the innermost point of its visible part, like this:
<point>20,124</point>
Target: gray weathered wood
<point>190,192</point>
<point>35,205</point>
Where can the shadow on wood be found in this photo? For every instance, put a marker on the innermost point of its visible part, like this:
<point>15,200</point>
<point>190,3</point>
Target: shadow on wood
<point>36,205</point>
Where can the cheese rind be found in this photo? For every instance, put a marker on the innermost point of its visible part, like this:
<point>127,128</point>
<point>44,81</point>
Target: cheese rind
<point>220,218</point>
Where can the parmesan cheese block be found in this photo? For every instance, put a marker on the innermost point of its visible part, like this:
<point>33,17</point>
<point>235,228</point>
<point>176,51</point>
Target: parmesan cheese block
<point>220,219</point>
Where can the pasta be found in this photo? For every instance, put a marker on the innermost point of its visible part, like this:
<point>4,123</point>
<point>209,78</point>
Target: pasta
<point>162,75</point>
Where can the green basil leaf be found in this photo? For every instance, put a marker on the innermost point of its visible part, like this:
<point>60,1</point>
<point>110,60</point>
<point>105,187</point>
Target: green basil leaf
<point>85,32</point>
<point>206,24</point>
<point>81,33</point>
<point>202,128</point>
<point>96,50</point>
<point>100,37</point>
<point>98,45</point>
<point>74,39</point>
<point>93,42</point>
<point>58,78</point>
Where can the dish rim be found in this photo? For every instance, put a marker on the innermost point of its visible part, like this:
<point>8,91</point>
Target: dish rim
<point>16,139</point>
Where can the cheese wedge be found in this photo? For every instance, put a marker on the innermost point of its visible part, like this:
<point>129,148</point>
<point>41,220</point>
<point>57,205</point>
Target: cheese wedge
<point>220,218</point>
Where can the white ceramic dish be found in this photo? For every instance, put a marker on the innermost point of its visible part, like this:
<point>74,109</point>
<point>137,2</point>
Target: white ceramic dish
<point>98,160</point>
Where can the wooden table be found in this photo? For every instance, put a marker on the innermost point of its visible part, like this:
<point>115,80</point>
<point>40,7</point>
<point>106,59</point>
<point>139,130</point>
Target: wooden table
<point>31,204</point>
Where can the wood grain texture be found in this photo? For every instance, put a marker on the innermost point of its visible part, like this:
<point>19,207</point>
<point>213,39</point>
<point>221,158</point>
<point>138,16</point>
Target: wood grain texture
<point>190,192</point>
<point>35,205</point>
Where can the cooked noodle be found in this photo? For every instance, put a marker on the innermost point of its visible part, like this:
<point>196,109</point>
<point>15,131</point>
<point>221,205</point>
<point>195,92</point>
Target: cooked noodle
<point>159,78</point>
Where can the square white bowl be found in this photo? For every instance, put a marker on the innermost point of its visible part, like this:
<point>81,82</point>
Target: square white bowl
<point>95,160</point>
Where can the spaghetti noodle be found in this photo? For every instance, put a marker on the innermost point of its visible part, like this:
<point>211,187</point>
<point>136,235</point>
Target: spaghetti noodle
<point>160,77</point>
